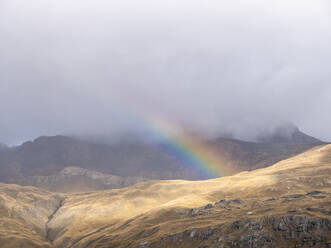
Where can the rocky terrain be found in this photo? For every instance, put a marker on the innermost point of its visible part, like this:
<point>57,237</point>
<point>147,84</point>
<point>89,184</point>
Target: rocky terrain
<point>44,161</point>
<point>75,179</point>
<point>285,205</point>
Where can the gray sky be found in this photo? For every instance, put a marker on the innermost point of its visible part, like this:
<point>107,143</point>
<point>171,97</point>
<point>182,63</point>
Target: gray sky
<point>104,66</point>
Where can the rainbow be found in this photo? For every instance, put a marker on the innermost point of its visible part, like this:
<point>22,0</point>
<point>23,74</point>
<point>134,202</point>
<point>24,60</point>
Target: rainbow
<point>189,149</point>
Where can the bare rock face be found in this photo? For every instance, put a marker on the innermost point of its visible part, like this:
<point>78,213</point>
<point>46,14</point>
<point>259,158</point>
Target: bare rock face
<point>75,179</point>
<point>284,231</point>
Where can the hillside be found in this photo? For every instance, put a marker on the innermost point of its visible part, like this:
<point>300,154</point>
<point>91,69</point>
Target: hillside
<point>285,205</point>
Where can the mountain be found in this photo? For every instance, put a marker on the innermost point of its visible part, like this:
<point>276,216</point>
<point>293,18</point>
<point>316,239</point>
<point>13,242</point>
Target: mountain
<point>286,133</point>
<point>284,205</point>
<point>244,155</point>
<point>42,162</point>
<point>47,156</point>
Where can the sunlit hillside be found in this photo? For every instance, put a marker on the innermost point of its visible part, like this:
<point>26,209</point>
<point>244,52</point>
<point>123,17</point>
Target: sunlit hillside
<point>264,207</point>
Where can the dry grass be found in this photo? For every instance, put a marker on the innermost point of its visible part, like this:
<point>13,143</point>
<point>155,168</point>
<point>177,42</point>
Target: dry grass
<point>150,210</point>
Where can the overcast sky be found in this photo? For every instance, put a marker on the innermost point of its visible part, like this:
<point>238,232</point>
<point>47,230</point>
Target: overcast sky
<point>100,66</point>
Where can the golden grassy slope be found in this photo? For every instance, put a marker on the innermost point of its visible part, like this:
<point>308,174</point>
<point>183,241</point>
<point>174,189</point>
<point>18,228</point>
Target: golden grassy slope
<point>24,212</point>
<point>145,214</point>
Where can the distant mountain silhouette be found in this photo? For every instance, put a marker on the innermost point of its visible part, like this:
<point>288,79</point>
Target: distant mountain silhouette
<point>287,133</point>
<point>48,156</point>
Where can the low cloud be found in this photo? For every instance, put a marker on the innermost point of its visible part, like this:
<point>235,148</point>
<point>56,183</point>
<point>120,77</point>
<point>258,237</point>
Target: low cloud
<point>104,67</point>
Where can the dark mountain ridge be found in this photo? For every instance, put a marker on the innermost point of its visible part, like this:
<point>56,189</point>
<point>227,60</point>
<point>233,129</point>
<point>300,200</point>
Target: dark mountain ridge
<point>48,156</point>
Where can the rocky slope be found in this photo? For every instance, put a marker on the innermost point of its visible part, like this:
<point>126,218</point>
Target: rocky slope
<point>24,214</point>
<point>285,205</point>
<point>75,179</point>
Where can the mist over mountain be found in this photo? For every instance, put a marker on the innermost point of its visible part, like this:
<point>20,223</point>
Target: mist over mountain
<point>107,68</point>
<point>165,124</point>
<point>286,132</point>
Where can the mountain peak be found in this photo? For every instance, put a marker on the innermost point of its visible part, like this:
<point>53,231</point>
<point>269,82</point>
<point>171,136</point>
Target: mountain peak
<point>286,133</point>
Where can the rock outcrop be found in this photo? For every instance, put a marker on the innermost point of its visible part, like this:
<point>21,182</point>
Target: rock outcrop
<point>75,179</point>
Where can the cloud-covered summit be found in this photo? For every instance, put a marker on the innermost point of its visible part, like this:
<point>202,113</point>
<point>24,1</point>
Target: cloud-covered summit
<point>98,67</point>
